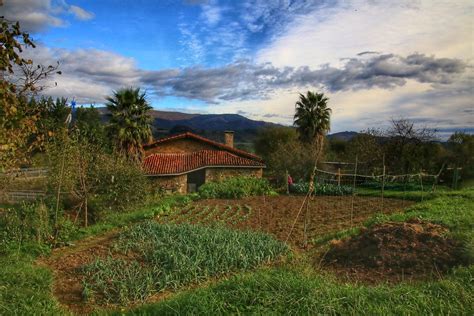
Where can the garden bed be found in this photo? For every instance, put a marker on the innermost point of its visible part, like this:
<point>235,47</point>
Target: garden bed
<point>148,260</point>
<point>275,215</point>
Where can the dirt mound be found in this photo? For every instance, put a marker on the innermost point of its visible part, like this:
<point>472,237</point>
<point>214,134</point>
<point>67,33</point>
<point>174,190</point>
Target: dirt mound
<point>394,252</point>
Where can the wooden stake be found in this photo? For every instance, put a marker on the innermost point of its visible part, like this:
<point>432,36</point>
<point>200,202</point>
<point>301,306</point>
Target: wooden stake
<point>421,184</point>
<point>383,182</point>
<point>353,191</point>
<point>338,177</point>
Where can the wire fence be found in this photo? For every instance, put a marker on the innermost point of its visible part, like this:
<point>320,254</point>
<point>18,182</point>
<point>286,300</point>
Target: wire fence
<point>353,191</point>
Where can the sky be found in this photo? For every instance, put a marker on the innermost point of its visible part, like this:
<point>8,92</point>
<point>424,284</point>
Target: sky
<point>376,60</point>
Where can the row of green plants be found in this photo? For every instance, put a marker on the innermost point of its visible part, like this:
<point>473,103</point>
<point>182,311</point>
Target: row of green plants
<point>236,188</point>
<point>150,257</point>
<point>321,189</point>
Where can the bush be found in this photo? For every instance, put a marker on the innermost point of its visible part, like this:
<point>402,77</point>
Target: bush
<point>33,223</point>
<point>235,188</point>
<point>322,189</point>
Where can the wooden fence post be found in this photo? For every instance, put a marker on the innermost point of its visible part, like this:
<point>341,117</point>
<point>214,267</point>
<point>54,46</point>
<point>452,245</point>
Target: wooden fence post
<point>383,183</point>
<point>353,191</point>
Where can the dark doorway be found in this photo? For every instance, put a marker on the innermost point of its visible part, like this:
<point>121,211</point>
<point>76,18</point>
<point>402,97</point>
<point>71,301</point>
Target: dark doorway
<point>196,179</point>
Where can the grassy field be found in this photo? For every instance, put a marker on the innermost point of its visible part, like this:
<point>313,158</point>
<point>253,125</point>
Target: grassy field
<point>293,287</point>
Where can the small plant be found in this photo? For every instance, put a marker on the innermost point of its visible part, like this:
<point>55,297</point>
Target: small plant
<point>322,189</point>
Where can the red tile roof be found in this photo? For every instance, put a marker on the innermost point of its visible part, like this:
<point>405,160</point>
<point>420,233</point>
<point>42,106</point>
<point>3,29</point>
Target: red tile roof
<point>205,140</point>
<point>179,163</point>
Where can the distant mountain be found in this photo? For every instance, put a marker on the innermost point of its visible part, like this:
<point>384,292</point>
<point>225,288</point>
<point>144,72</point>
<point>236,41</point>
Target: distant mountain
<point>212,122</point>
<point>209,125</point>
<point>343,136</point>
<point>212,125</point>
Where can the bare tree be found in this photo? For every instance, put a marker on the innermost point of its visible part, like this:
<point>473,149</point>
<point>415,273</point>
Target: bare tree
<point>30,78</point>
<point>406,143</point>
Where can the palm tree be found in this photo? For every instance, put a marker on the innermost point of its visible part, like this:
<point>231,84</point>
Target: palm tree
<point>130,125</point>
<point>312,119</point>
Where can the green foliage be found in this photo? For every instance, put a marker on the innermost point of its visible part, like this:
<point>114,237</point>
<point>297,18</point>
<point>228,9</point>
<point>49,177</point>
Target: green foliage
<point>33,224</point>
<point>170,256</point>
<point>94,178</point>
<point>117,281</point>
<point>130,124</point>
<point>90,127</point>
<point>235,188</point>
<point>25,288</point>
<point>322,189</point>
<point>120,183</point>
<point>462,153</point>
<point>312,116</point>
<point>289,291</point>
<point>282,151</point>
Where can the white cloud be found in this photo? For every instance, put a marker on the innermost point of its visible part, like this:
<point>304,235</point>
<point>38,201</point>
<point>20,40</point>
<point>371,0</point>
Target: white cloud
<point>38,15</point>
<point>326,36</point>
<point>80,13</point>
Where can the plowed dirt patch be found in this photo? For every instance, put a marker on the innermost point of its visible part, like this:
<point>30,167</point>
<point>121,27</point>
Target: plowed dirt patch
<point>66,263</point>
<point>275,215</point>
<point>395,252</point>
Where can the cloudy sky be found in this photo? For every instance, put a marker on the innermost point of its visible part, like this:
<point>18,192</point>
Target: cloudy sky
<point>374,59</point>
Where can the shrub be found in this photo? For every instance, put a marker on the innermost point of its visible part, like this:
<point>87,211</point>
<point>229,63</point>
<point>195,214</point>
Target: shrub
<point>33,223</point>
<point>236,188</point>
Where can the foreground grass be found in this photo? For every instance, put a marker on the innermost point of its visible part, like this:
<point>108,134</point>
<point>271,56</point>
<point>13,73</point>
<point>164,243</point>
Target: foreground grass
<point>25,289</point>
<point>287,291</point>
<point>169,256</point>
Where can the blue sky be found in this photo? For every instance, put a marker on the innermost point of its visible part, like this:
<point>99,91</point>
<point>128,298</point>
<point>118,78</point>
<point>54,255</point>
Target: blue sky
<point>376,60</point>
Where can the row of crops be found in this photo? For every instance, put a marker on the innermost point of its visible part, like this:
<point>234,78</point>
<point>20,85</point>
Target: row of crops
<point>151,257</point>
<point>198,214</point>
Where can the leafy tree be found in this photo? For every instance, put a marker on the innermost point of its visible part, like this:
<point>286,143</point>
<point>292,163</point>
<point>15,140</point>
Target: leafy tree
<point>282,151</point>
<point>312,119</point>
<point>130,124</point>
<point>90,127</point>
<point>17,120</point>
<point>19,130</point>
<point>461,146</point>
<point>94,179</point>
<point>268,140</point>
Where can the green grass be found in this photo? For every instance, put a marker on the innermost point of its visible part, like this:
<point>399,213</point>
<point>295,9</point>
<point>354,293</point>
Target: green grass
<point>123,219</point>
<point>170,256</point>
<point>290,291</point>
<point>25,289</point>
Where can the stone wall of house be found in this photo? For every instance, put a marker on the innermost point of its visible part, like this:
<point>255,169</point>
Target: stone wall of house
<point>217,174</point>
<point>171,184</point>
<point>179,146</point>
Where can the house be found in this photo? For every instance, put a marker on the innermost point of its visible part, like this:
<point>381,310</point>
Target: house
<point>184,162</point>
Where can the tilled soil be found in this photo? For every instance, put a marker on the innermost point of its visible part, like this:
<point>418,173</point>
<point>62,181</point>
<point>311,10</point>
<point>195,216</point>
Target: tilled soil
<point>276,215</point>
<point>395,252</point>
<point>66,263</point>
